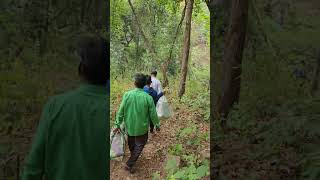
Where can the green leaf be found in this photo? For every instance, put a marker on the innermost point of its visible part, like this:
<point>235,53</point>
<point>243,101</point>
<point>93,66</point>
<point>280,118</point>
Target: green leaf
<point>171,165</point>
<point>156,176</point>
<point>202,171</point>
<point>179,174</point>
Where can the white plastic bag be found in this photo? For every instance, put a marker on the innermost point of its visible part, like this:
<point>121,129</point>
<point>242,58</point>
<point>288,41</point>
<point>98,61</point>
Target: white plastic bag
<point>117,141</point>
<point>163,108</point>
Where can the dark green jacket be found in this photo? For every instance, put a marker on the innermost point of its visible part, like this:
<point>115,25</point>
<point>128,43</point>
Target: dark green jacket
<point>72,142</point>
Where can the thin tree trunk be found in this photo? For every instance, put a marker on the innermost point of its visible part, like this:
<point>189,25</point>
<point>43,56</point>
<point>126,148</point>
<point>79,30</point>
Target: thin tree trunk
<point>315,81</point>
<point>45,29</point>
<point>186,49</point>
<point>137,47</point>
<point>83,9</point>
<point>232,57</point>
<point>166,64</point>
<point>99,18</point>
<point>89,5</point>
<point>283,12</point>
<point>268,9</point>
<point>148,45</point>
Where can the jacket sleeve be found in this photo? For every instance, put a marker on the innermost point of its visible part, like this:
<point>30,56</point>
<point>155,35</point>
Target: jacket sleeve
<point>35,162</point>
<point>120,113</point>
<point>153,113</point>
<point>153,94</point>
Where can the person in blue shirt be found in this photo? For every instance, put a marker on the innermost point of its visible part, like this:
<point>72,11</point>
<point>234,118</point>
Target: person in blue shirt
<point>155,96</point>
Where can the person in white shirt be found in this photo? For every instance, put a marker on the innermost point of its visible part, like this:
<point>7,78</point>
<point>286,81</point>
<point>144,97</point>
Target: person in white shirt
<point>156,85</point>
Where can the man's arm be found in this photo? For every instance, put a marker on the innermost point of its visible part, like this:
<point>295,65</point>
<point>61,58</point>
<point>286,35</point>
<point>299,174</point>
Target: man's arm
<point>159,87</point>
<point>153,113</point>
<point>159,96</point>
<point>120,113</point>
<point>35,163</point>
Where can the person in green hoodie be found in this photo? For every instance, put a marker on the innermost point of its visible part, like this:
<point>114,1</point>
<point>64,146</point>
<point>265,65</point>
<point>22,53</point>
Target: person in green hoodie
<point>136,110</point>
<point>71,140</point>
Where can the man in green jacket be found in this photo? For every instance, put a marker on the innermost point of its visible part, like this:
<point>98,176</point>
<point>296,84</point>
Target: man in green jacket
<point>136,110</point>
<point>71,141</point>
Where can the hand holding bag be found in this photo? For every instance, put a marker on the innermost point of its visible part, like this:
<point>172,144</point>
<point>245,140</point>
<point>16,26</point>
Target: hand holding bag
<point>117,141</point>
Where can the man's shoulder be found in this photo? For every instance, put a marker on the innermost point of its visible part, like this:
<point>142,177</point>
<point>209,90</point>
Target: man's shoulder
<point>62,97</point>
<point>129,92</point>
<point>157,81</point>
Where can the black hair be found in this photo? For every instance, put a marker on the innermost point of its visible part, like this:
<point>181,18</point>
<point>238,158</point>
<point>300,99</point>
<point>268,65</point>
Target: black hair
<point>154,73</point>
<point>95,61</point>
<point>148,80</point>
<point>140,80</point>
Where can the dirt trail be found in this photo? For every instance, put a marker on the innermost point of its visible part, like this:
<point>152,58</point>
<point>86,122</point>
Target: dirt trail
<point>152,158</point>
<point>155,152</point>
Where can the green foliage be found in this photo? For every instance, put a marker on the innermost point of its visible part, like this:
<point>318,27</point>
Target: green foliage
<point>276,118</point>
<point>159,21</point>
<point>197,94</point>
<point>156,176</point>
<point>176,149</point>
<point>192,171</point>
<point>186,132</point>
<point>191,135</point>
<point>37,58</point>
<point>311,166</point>
<point>37,61</point>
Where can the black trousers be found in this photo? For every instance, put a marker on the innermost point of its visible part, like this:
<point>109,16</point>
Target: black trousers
<point>136,145</point>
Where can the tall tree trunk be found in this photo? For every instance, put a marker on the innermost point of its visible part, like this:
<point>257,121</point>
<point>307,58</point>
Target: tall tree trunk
<point>284,5</point>
<point>164,69</point>
<point>232,58</point>
<point>186,49</point>
<point>215,9</point>
<point>219,12</point>
<point>168,61</point>
<point>45,29</point>
<point>213,18</point>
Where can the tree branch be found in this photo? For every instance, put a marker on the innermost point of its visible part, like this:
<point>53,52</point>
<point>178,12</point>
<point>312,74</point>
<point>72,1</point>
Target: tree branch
<point>148,44</point>
<point>177,32</point>
<point>166,64</point>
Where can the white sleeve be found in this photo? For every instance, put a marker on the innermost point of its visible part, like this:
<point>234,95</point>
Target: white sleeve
<point>159,87</point>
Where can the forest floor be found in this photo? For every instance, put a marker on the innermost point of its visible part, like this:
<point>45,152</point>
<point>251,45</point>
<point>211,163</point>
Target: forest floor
<point>155,154</point>
<point>238,159</point>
